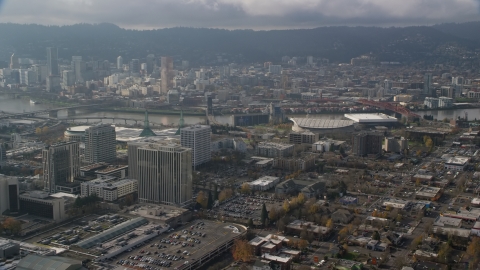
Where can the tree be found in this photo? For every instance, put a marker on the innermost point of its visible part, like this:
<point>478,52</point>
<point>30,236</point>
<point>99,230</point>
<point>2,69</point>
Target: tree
<point>304,233</point>
<point>245,188</point>
<point>286,206</point>
<point>302,244</point>
<point>250,222</point>
<point>263,215</point>
<point>473,249</point>
<point>301,198</point>
<point>444,252</point>
<point>342,234</point>
<point>38,131</point>
<point>242,250</point>
<point>376,235</point>
<point>202,199</point>
<point>13,225</point>
<point>45,130</point>
<point>417,241</point>
<point>329,224</point>
<point>273,214</point>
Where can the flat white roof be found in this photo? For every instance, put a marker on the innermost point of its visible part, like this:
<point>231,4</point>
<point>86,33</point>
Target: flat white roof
<point>371,118</point>
<point>458,160</point>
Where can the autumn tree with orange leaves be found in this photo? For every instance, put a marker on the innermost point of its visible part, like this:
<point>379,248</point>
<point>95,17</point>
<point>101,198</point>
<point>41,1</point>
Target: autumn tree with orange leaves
<point>242,250</point>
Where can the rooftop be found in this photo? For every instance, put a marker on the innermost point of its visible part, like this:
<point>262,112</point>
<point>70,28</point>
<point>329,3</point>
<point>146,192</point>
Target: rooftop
<point>371,118</point>
<point>321,123</point>
<point>458,160</point>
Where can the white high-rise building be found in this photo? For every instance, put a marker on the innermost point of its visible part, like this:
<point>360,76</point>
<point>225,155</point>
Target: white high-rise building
<point>163,171</point>
<point>119,62</point>
<point>100,143</point>
<point>61,164</point>
<point>198,139</point>
<point>309,60</point>
<point>68,78</point>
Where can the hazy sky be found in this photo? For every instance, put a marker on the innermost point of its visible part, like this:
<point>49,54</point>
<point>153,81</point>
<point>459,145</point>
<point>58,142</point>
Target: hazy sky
<point>255,14</point>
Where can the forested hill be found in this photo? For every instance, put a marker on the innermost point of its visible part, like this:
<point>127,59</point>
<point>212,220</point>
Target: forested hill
<point>201,45</point>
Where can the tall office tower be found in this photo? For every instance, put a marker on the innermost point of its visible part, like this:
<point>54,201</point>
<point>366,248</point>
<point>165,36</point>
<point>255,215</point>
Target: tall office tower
<point>9,191</point>
<point>135,66</point>
<point>68,78</point>
<point>100,143</point>
<point>61,163</point>
<point>427,84</point>
<point>166,74</point>
<point>387,85</point>
<point>310,60</point>
<point>79,67</point>
<point>53,84</point>
<point>14,62</point>
<point>52,61</point>
<point>3,156</point>
<point>365,143</point>
<point>163,171</point>
<point>150,63</point>
<point>119,62</point>
<point>198,139</point>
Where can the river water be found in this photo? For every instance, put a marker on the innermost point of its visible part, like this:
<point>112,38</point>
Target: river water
<point>23,105</point>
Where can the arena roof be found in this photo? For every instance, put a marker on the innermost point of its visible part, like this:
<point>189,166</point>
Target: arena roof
<point>371,118</point>
<point>319,123</point>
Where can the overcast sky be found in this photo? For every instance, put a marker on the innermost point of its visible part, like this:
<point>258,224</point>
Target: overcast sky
<point>240,14</point>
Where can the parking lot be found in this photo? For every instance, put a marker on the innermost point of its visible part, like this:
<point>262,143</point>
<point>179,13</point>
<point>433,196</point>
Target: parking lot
<point>243,207</point>
<point>181,247</point>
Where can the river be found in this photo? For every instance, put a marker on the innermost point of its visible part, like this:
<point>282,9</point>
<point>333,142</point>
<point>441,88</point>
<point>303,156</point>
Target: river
<point>23,105</point>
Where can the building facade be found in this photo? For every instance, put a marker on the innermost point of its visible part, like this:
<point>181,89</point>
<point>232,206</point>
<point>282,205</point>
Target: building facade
<point>166,74</point>
<point>164,173</point>
<point>9,194</point>
<point>52,61</point>
<point>61,164</point>
<point>275,150</point>
<point>109,188</point>
<point>365,143</point>
<point>198,139</point>
<point>100,144</point>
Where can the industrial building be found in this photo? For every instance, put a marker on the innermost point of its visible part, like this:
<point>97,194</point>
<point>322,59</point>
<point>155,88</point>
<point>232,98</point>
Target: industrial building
<point>41,204</point>
<point>8,249</point>
<point>37,262</point>
<point>198,139</point>
<point>109,188</point>
<point>61,164</point>
<point>302,137</point>
<point>395,145</point>
<point>457,163</point>
<point>294,164</point>
<point>428,193</point>
<point>100,144</point>
<point>274,150</point>
<point>264,183</point>
<point>371,118</point>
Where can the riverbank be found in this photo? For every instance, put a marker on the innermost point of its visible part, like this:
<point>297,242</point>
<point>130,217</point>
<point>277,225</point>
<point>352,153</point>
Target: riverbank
<point>150,111</point>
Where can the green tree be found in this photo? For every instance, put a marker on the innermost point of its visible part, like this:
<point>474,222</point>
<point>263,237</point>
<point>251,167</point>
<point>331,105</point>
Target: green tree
<point>250,223</point>
<point>376,235</point>
<point>263,215</point>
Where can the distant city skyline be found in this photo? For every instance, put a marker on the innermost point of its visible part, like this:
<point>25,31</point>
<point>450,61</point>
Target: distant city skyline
<point>240,14</point>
